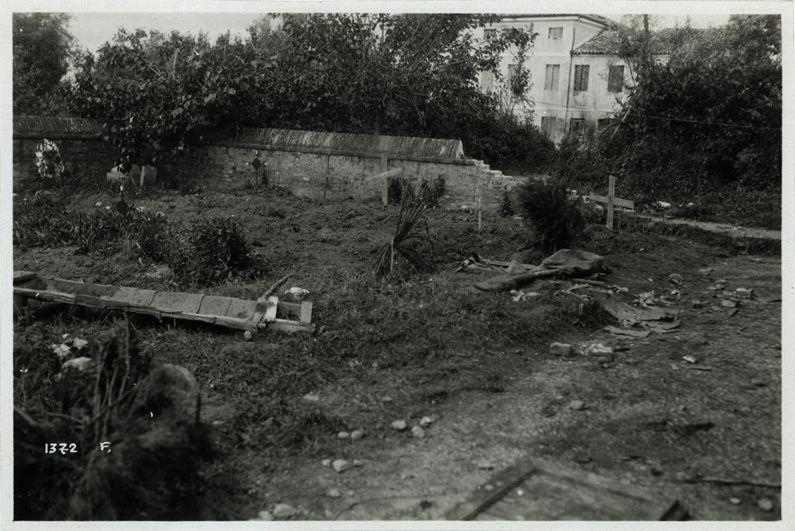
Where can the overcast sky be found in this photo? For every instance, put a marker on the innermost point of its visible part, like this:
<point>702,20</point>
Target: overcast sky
<point>93,29</point>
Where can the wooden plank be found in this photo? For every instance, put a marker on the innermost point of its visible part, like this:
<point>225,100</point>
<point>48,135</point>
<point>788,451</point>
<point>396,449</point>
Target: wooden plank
<point>486,495</point>
<point>306,312</point>
<point>617,201</point>
<point>23,276</point>
<point>174,301</point>
<point>242,309</point>
<point>136,296</point>
<point>552,492</point>
<point>284,325</point>
<point>215,305</point>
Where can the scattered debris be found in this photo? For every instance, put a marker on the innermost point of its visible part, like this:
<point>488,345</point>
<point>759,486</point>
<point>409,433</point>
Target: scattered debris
<point>560,349</point>
<point>696,304</point>
<point>744,293</point>
<point>343,435</point>
<point>519,296</point>
<point>357,434</point>
<point>675,278</point>
<point>427,421</point>
<point>296,293</point>
<point>311,397</point>
<point>333,493</point>
<point>326,462</point>
<point>485,465</point>
<point>284,510</point>
<point>735,501</point>
<point>358,462</point>
<point>595,349</point>
<point>417,432</point>
<point>628,315</point>
<point>690,358</point>
<point>705,271</point>
<point>399,425</point>
<point>564,263</point>
<point>728,303</point>
<point>340,465</point>
<point>626,332</point>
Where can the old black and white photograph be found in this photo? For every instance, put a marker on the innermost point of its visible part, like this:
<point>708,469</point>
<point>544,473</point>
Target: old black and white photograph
<point>435,263</point>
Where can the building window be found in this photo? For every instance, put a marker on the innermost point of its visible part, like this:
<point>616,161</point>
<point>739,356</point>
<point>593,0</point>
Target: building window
<point>556,33</point>
<point>512,71</point>
<point>577,126</point>
<point>486,80</point>
<point>615,78</point>
<point>581,78</point>
<point>552,76</point>
<point>489,34</point>
<point>548,125</point>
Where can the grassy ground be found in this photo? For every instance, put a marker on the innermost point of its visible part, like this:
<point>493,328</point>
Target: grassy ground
<point>400,347</point>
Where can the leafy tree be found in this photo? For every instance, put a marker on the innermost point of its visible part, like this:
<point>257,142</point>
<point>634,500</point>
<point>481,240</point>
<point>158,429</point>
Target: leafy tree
<point>153,89</point>
<point>709,116</point>
<point>42,48</point>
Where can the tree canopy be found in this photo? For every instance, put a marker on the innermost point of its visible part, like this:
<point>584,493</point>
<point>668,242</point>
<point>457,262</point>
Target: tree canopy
<point>42,47</point>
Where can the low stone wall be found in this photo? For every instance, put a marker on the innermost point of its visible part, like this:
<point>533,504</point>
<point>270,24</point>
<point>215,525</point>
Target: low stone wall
<point>312,164</point>
<point>79,141</point>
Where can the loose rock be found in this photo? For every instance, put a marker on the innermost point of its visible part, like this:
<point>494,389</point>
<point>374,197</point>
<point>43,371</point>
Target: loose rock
<point>744,293</point>
<point>340,465</point>
<point>734,501</point>
<point>357,434</point>
<point>417,432</point>
<point>728,303</point>
<point>326,462</point>
<point>577,405</point>
<point>265,515</point>
<point>333,493</point>
<point>311,397</point>
<point>343,435</point>
<point>485,465</point>
<point>765,504</point>
<point>400,425</point>
<point>284,510</point>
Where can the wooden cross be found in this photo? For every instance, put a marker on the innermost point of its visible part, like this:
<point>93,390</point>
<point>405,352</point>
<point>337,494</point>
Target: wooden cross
<point>611,201</point>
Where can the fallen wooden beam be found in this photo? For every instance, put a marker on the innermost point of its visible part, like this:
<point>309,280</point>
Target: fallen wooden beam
<point>624,203</point>
<point>229,312</point>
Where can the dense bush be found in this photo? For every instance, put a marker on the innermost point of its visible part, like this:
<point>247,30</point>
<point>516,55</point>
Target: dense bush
<point>556,221</point>
<point>39,220</point>
<point>215,250</point>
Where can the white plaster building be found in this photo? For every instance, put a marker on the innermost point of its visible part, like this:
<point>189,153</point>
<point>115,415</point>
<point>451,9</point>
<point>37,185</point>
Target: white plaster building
<point>577,78</point>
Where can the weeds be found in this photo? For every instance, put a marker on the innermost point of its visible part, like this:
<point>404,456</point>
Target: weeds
<point>555,219</point>
<point>506,205</point>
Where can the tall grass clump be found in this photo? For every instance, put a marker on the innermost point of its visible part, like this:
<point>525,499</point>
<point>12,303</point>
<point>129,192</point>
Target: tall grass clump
<point>555,219</point>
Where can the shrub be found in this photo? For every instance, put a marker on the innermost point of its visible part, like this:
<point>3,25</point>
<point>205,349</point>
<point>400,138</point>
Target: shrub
<point>394,191</point>
<point>39,220</point>
<point>555,219</point>
<point>431,193</point>
<point>506,205</point>
<point>214,251</point>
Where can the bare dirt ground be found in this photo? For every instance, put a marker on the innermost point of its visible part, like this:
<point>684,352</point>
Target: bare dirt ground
<point>417,345</point>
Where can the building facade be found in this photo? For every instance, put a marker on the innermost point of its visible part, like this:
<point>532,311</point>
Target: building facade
<point>578,80</point>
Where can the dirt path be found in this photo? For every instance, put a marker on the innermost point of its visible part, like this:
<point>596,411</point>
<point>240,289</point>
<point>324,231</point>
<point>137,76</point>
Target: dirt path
<point>650,420</point>
<point>721,228</point>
